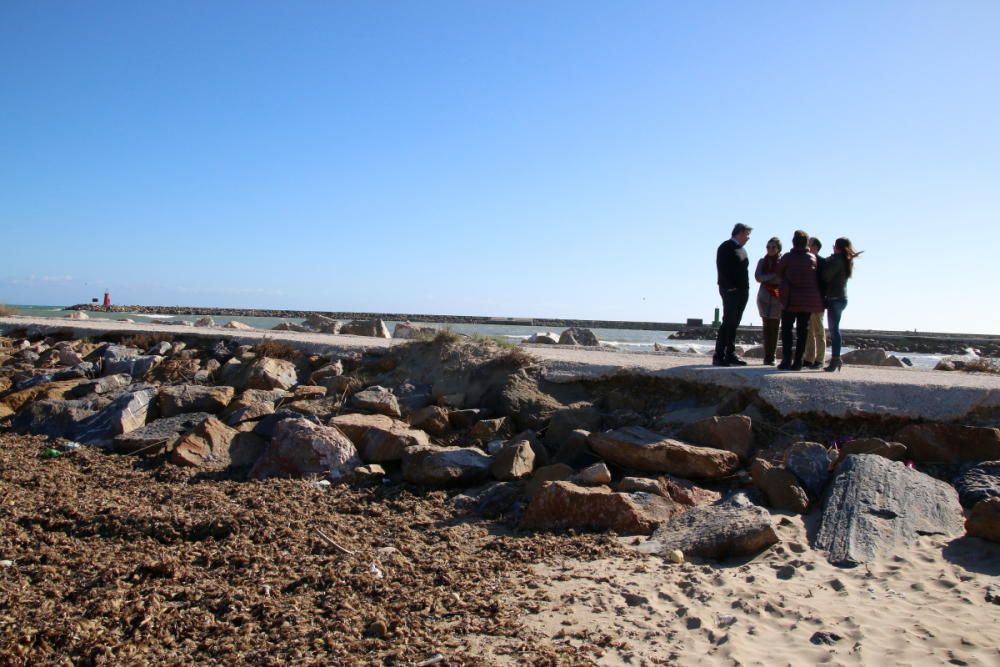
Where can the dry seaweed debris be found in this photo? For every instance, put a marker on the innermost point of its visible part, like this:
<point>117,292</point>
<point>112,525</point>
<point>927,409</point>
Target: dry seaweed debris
<point>112,564</point>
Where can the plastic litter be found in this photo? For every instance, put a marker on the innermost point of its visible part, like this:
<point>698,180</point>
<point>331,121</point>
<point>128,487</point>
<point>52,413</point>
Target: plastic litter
<point>51,453</point>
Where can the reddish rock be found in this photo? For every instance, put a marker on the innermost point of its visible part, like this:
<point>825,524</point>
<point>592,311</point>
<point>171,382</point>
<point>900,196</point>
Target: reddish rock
<point>894,451</point>
<point>984,520</point>
<point>681,491</point>
<point>490,429</point>
<point>640,448</point>
<point>551,473</point>
<point>207,446</point>
<point>379,438</point>
<point>379,400</point>
<point>564,505</point>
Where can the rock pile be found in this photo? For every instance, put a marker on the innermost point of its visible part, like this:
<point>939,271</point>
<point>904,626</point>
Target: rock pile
<point>450,413</point>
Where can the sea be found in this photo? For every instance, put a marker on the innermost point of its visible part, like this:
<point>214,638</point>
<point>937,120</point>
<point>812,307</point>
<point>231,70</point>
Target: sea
<point>624,340</point>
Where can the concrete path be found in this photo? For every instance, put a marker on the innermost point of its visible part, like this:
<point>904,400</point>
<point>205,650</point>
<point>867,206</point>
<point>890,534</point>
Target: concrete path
<point>856,391</point>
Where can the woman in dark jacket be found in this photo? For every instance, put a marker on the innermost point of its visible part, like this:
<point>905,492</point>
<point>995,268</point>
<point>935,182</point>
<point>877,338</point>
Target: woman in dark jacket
<point>836,271</point>
<point>800,297</point>
<point>768,297</point>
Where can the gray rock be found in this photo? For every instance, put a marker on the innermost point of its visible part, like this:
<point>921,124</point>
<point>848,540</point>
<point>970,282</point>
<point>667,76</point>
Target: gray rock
<point>978,483</point>
<point>379,400</point>
<point>136,367</point>
<point>204,322</point>
<point>180,398</point>
<point>870,357</point>
<point>82,370</point>
<point>876,507</point>
<point>109,384</point>
<point>430,464</point>
<point>809,462</point>
<point>781,487</point>
<point>596,474</point>
<point>334,369</point>
<point>491,500</point>
<point>321,323</point>
<point>578,336</point>
<point>723,530</point>
<point>126,413</point>
<point>157,436</point>
<point>290,326</point>
<point>161,349</point>
<point>119,352</point>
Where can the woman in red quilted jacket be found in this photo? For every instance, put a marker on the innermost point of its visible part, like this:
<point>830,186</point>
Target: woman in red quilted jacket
<point>800,297</point>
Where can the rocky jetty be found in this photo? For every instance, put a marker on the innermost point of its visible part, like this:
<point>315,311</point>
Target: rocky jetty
<point>454,412</point>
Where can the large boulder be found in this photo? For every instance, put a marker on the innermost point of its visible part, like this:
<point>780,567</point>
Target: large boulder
<point>564,505</point>
<point>321,323</point>
<point>239,326</point>
<point>107,385</point>
<point>723,530</point>
<point>978,483</point>
<point>207,446</point>
<point>159,435</point>
<point>780,487</point>
<point>379,438</point>
<point>876,507</point>
<point>984,520</point>
<point>374,328</point>
<point>733,433</point>
<point>578,336</point>
<point>642,449</point>
<point>950,443</point>
<point>875,356</point>
<point>299,447</point>
<point>377,399</point>
<point>430,464</point>
<point>177,399</point>
<point>125,414</point>
<point>810,463</point>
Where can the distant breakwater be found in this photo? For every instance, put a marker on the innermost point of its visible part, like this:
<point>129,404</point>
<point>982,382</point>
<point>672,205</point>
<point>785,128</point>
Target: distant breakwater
<point>394,317</point>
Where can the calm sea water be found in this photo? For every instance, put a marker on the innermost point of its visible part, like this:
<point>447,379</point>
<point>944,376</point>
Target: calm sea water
<point>626,340</point>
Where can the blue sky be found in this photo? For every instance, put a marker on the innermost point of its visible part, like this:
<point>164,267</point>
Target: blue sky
<point>576,159</point>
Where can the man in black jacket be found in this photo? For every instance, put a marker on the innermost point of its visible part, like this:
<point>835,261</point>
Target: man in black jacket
<point>733,266</point>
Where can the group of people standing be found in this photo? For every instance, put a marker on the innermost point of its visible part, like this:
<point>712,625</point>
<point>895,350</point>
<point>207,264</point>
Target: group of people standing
<point>795,289</point>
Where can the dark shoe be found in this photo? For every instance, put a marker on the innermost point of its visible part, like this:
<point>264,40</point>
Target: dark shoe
<point>816,365</point>
<point>785,366</point>
<point>835,365</point>
<point>719,361</point>
<point>769,362</point>
<point>797,366</point>
<point>735,361</point>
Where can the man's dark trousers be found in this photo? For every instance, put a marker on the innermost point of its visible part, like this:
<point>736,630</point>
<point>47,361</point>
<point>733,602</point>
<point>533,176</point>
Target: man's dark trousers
<point>734,302</point>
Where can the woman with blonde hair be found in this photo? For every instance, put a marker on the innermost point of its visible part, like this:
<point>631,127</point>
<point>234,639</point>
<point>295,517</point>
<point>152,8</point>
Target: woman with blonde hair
<point>768,299</point>
<point>836,272</point>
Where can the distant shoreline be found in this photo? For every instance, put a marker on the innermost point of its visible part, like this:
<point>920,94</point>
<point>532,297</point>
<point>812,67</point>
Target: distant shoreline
<point>704,331</point>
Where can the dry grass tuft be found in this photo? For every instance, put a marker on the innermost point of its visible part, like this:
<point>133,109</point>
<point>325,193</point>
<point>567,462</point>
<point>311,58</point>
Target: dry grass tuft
<point>6,311</point>
<point>275,349</point>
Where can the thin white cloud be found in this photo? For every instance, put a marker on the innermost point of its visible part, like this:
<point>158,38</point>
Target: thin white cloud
<point>34,280</point>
